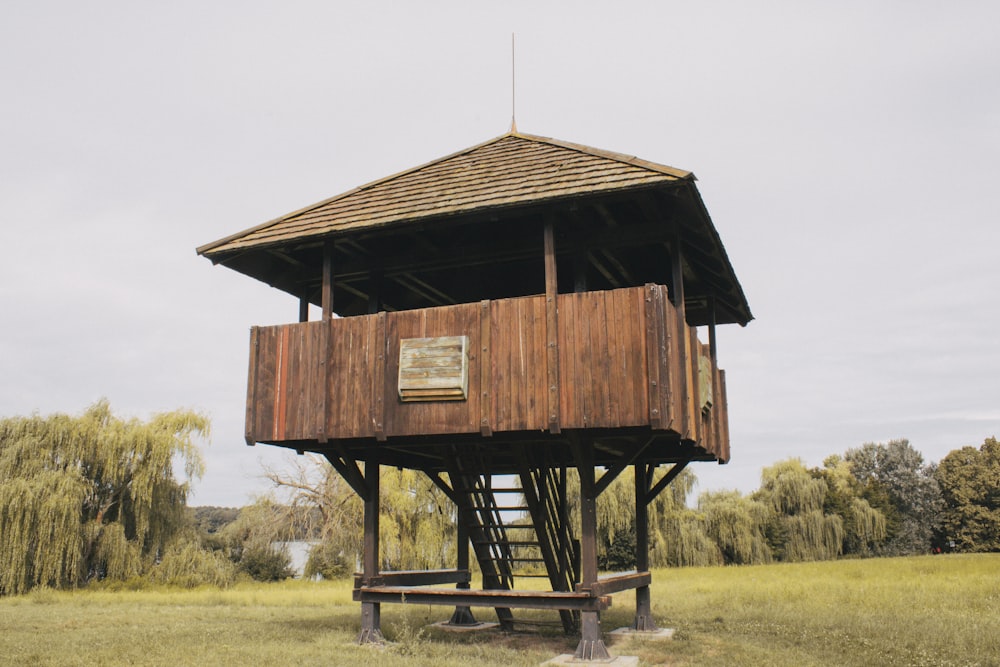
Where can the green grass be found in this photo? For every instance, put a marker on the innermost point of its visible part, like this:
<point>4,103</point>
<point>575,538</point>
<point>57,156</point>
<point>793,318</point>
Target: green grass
<point>934,610</point>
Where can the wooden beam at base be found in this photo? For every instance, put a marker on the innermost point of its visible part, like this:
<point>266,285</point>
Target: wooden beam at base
<point>414,578</point>
<point>484,598</point>
<point>616,583</point>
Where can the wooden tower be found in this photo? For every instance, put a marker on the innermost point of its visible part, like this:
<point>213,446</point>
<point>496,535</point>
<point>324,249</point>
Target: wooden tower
<point>508,312</point>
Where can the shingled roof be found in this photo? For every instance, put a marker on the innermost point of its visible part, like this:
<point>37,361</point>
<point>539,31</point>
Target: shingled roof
<point>508,170</point>
<point>604,199</point>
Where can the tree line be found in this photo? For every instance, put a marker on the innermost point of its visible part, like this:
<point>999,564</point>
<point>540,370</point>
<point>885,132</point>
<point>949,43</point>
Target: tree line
<point>94,498</point>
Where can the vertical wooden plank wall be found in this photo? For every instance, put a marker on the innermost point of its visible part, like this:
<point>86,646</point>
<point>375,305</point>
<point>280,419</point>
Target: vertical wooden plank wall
<point>603,359</point>
<point>350,376</point>
<point>625,358</point>
<point>518,379</point>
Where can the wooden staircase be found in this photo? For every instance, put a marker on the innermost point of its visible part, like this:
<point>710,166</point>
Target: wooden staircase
<point>519,529</point>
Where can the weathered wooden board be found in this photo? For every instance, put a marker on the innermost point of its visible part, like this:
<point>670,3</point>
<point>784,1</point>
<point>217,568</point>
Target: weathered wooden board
<point>434,369</point>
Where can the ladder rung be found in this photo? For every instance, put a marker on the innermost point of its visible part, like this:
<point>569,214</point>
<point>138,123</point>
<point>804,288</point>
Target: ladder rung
<point>501,508</point>
<point>483,489</point>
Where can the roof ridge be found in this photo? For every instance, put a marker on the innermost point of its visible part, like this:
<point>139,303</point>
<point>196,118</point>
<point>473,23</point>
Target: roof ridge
<point>608,155</point>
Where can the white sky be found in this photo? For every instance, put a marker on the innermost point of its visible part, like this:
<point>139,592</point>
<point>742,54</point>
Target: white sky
<point>849,154</point>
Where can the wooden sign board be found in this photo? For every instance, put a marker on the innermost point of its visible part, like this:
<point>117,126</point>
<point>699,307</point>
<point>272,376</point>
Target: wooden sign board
<point>434,369</point>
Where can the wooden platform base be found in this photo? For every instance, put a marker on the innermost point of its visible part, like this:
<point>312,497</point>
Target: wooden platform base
<point>582,601</point>
<point>411,586</point>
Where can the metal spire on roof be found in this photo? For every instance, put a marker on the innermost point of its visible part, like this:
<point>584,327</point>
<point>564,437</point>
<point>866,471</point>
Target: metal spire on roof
<point>513,89</point>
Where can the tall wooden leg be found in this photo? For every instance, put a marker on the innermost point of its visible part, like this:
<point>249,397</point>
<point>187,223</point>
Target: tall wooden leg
<point>643,610</point>
<point>371,612</point>
<point>463,615</point>
<point>591,646</point>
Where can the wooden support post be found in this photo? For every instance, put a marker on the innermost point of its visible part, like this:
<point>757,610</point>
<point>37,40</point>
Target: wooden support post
<point>713,430</point>
<point>374,290</point>
<point>303,309</point>
<point>580,271</point>
<point>676,257</point>
<point>643,610</point>
<point>371,612</point>
<point>682,350</point>
<point>551,327</point>
<point>463,614</point>
<point>591,646</point>
<point>656,352</point>
<point>712,347</point>
<point>485,371</point>
<point>250,429</point>
<point>326,372</point>
<point>378,384</point>
<point>327,299</point>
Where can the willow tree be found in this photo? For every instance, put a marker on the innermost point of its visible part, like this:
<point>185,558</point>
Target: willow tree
<point>417,528</point>
<point>865,527</point>
<point>313,502</point>
<point>737,525</point>
<point>676,536</point>
<point>91,496</point>
<point>801,530</point>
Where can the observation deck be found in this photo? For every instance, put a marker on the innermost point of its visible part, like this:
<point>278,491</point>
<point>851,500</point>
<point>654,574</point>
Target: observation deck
<point>619,363</point>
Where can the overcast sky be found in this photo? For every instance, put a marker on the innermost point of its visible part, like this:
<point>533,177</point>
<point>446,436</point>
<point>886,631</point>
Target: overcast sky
<point>848,152</point>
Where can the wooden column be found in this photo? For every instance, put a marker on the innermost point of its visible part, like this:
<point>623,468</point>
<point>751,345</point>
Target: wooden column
<point>580,271</point>
<point>371,612</point>
<point>682,349</point>
<point>676,257</point>
<point>591,646</point>
<point>303,309</point>
<point>551,326</point>
<point>713,350</point>
<point>374,290</point>
<point>643,609</point>
<point>327,299</point>
<point>485,370</point>
<point>463,615</point>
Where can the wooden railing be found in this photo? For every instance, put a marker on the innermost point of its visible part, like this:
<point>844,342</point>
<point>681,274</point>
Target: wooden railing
<point>624,358</point>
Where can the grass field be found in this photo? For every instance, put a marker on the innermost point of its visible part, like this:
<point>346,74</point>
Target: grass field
<point>932,610</point>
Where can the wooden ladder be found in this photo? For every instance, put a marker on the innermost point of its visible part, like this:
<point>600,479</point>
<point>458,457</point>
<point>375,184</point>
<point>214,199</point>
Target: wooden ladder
<point>528,528</point>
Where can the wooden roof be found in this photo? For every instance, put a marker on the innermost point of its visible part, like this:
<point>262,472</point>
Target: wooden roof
<point>511,169</point>
<point>510,180</point>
